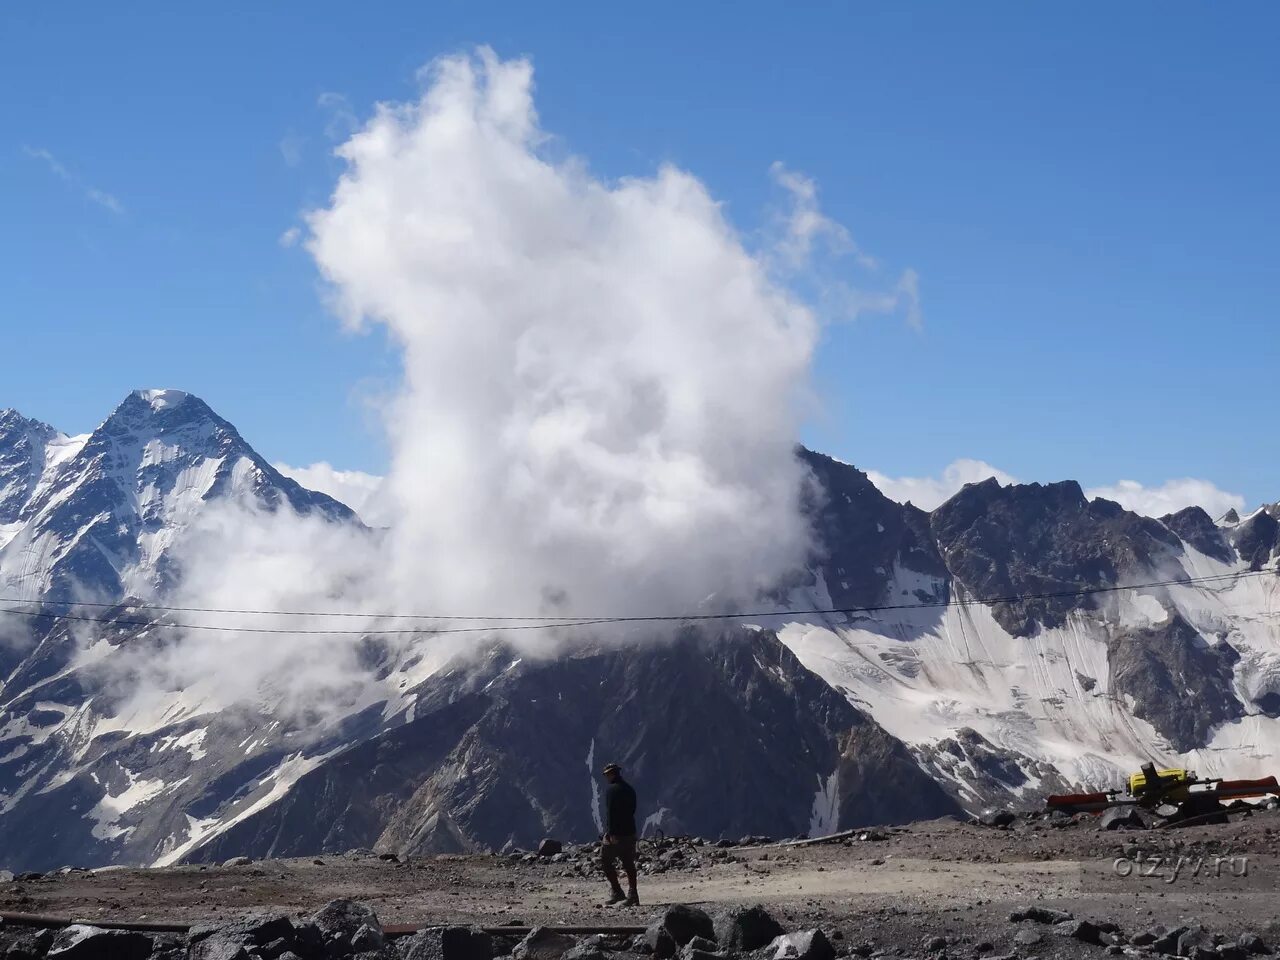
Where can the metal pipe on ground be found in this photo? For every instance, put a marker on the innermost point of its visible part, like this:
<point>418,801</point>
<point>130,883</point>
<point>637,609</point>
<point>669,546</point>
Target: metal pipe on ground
<point>390,929</point>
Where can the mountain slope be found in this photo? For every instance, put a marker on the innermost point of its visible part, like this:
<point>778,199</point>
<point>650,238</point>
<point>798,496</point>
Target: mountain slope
<point>921,699</point>
<point>1010,700</point>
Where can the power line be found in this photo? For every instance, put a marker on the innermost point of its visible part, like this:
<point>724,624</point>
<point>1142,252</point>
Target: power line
<point>545,623</point>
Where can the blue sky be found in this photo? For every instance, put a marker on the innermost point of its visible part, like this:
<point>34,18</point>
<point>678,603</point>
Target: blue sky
<point>1088,195</point>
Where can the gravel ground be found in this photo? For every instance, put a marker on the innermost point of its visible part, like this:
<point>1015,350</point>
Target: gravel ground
<point>896,890</point>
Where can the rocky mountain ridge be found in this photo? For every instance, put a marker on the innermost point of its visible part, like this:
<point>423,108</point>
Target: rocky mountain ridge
<point>928,704</point>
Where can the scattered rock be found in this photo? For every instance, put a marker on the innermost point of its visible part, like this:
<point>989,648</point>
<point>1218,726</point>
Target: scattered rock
<point>935,944</point>
<point>1251,943</point>
<point>81,942</point>
<point>1168,942</point>
<point>998,818</point>
<point>389,857</point>
<point>347,927</point>
<point>683,923</point>
<point>543,944</point>
<point>1081,930</point>
<point>1027,937</point>
<point>806,945</point>
<point>29,945</point>
<point>741,929</point>
<point>1191,938</point>
<point>1121,818</point>
<point>447,943</point>
<point>1040,915</point>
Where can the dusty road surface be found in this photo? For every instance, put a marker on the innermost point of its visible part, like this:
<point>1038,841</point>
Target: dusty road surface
<point>891,892</point>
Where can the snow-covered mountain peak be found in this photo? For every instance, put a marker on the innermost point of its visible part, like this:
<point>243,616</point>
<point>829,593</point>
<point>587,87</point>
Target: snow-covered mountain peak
<point>99,514</point>
<point>160,399</point>
<point>24,447</point>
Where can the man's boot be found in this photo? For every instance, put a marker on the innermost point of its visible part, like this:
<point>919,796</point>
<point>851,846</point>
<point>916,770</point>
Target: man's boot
<point>633,898</point>
<point>616,897</point>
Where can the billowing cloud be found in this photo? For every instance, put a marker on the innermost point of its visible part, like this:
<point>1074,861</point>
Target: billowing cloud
<point>1170,497</point>
<point>602,384</point>
<point>928,493</point>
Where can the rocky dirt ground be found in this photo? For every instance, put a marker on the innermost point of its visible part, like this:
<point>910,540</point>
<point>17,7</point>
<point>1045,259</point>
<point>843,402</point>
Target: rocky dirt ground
<point>935,888</point>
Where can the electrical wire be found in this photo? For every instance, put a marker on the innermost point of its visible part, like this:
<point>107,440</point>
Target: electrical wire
<point>504,624</point>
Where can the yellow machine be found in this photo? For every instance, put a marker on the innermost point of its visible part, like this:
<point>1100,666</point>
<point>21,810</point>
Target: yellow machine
<point>1179,796</point>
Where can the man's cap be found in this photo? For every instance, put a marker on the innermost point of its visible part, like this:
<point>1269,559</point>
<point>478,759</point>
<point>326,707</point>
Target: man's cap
<point>611,768</point>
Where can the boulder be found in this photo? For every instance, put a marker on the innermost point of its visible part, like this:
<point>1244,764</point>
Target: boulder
<point>253,930</point>
<point>549,847</point>
<point>80,942</point>
<point>29,945</point>
<point>1252,943</point>
<point>1121,818</point>
<point>998,818</point>
<point>1040,915</point>
<point>1192,937</point>
<point>683,923</point>
<point>1027,937</point>
<point>742,929</point>
<point>1081,930</point>
<point>447,943</point>
<point>590,948</point>
<point>217,948</point>
<point>237,862</point>
<point>659,942</point>
<point>1168,942</point>
<point>543,944</point>
<point>347,928</point>
<point>805,945</point>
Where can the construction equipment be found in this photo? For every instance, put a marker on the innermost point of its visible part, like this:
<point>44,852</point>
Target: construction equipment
<point>1177,796</point>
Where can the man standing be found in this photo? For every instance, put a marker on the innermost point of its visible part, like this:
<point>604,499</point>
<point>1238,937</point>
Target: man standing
<point>620,835</point>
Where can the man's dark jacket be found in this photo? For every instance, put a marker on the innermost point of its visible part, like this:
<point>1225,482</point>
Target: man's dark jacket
<point>620,809</point>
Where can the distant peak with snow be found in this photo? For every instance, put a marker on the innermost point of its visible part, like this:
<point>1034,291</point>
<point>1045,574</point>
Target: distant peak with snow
<point>161,399</point>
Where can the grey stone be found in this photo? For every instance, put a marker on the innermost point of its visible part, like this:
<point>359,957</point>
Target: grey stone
<point>1168,943</point>
<point>684,923</point>
<point>81,942</point>
<point>543,944</point>
<point>549,847</point>
<point>659,942</point>
<point>1027,937</point>
<point>1081,930</point>
<point>254,930</point>
<point>217,948</point>
<point>1121,818</point>
<point>347,928</point>
<point>1192,937</point>
<point>446,943</point>
<point>237,862</point>
<point>1252,943</point>
<point>1040,915</point>
<point>804,945</point>
<point>741,929</point>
